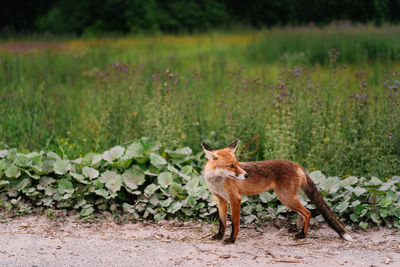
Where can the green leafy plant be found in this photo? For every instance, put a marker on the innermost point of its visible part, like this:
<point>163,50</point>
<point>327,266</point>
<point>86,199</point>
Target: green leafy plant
<point>147,182</point>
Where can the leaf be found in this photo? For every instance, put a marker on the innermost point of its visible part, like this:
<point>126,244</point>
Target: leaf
<point>363,225</point>
<point>128,208</point>
<point>65,186</point>
<point>266,197</point>
<point>79,177</point>
<point>375,218</point>
<point>101,192</point>
<point>342,206</point>
<point>317,176</point>
<point>150,189</point>
<point>384,202</point>
<point>21,160</point>
<point>374,181</point>
<point>113,154</point>
<point>96,159</point>
<point>13,172</point>
<point>349,180</point>
<point>132,178</point>
<point>135,150</point>
<point>164,179</point>
<point>175,207</point>
<point>3,153</point>
<point>179,153</point>
<point>330,185</point>
<point>52,155</point>
<point>157,160</point>
<point>3,165</point>
<point>160,216</point>
<point>90,172</point>
<point>87,211</point>
<point>112,180</point>
<point>3,183</point>
<point>61,166</point>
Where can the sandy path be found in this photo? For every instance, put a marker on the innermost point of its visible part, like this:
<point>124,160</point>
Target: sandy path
<point>38,241</point>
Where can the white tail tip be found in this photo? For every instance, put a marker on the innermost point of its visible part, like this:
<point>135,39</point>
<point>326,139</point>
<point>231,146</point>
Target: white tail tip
<point>347,237</point>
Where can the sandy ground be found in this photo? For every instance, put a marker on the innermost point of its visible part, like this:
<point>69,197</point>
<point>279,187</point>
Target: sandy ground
<point>38,241</point>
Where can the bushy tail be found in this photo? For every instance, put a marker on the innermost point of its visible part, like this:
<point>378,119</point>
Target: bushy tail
<point>316,198</point>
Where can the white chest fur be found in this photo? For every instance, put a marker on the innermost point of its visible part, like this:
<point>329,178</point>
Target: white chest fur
<point>216,184</point>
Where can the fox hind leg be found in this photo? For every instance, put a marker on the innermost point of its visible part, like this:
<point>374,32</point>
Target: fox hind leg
<point>293,203</point>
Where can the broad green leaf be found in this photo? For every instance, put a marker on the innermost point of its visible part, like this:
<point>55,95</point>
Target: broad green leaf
<point>266,197</point>
<point>132,178</point>
<point>160,216</point>
<point>349,180</point>
<point>24,183</point>
<point>342,206</point>
<point>87,211</point>
<point>21,160</point>
<point>157,160</point>
<point>128,208</point>
<point>96,159</point>
<point>3,165</point>
<point>135,150</point>
<point>3,153</point>
<point>102,192</point>
<point>374,181</point>
<point>113,154</point>
<point>150,189</point>
<point>112,180</point>
<point>65,186</point>
<point>384,202</point>
<point>175,207</point>
<point>164,179</point>
<point>79,177</point>
<point>52,155</point>
<point>363,225</point>
<point>179,153</point>
<point>375,218</point>
<point>13,172</point>
<point>90,172</point>
<point>167,202</point>
<point>317,176</point>
<point>61,166</point>
<point>330,184</point>
<point>3,183</point>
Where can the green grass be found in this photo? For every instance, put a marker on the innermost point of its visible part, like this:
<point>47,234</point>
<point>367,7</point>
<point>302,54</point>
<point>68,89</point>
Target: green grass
<point>279,91</point>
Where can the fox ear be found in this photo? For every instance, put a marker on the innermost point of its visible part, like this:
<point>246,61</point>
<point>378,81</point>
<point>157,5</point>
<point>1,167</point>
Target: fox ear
<point>234,145</point>
<point>209,151</point>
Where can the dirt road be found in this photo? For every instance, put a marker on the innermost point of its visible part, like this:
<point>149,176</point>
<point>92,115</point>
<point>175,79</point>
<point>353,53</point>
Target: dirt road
<point>38,241</point>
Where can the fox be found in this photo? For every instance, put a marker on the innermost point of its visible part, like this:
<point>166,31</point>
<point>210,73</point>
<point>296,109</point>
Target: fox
<point>229,179</point>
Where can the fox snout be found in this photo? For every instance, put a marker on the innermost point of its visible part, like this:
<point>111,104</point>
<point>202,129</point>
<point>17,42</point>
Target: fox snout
<point>242,176</point>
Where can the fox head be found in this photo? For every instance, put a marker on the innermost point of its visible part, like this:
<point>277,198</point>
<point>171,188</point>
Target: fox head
<point>223,163</point>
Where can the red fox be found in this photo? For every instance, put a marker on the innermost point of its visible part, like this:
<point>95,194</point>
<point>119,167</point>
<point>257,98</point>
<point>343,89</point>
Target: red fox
<point>229,179</point>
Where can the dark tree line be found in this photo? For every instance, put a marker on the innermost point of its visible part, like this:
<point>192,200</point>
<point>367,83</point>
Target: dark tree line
<point>172,16</point>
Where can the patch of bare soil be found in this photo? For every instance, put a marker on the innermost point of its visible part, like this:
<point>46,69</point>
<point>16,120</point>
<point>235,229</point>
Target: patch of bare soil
<point>66,241</point>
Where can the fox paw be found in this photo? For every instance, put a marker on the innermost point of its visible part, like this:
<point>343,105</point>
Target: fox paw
<point>300,235</point>
<point>292,228</point>
<point>229,241</point>
<point>217,236</point>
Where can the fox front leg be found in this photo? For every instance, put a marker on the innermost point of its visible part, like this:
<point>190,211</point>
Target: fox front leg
<point>222,211</point>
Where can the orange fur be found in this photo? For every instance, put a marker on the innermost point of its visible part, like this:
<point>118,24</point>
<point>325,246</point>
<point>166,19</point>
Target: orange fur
<point>224,176</point>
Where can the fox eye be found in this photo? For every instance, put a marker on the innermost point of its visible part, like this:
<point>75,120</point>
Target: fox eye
<point>232,167</point>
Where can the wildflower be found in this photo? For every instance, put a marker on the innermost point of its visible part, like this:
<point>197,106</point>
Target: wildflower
<point>68,133</point>
<point>164,155</point>
<point>61,140</point>
<point>80,155</point>
<point>84,139</point>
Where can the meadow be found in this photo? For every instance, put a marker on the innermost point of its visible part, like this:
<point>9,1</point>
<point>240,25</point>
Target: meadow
<point>327,98</point>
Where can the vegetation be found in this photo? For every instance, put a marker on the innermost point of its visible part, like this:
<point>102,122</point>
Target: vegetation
<point>147,182</point>
<point>333,110</point>
<point>94,17</point>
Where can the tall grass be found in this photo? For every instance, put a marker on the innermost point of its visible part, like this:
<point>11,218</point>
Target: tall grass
<point>87,95</point>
